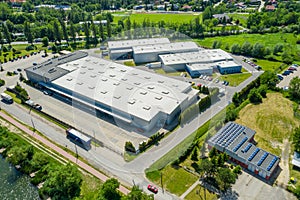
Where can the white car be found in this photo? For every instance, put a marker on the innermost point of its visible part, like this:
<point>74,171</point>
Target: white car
<point>201,76</point>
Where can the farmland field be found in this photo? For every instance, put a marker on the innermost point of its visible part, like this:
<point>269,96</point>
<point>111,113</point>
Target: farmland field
<point>156,17</point>
<point>269,40</point>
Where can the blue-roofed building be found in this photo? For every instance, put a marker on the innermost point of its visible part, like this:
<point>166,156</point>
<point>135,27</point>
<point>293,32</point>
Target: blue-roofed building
<point>236,140</point>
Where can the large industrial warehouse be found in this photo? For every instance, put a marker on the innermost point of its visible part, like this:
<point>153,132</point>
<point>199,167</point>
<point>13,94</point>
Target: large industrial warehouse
<point>122,49</point>
<point>235,140</point>
<point>201,62</point>
<point>137,97</point>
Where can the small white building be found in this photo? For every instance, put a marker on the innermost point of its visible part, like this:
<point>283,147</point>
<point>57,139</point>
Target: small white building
<point>195,70</point>
<point>296,159</point>
<point>228,67</point>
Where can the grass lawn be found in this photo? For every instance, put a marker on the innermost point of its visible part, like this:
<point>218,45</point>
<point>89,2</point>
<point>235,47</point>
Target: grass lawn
<point>273,120</point>
<point>89,187</point>
<point>198,194</point>
<point>129,63</point>
<point>242,17</point>
<point>235,79</point>
<point>175,179</point>
<point>268,40</point>
<point>21,48</point>
<point>168,18</point>
<point>268,65</point>
<point>175,73</point>
<point>14,96</point>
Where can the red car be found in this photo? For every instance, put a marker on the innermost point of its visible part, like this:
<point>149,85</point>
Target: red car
<point>152,188</point>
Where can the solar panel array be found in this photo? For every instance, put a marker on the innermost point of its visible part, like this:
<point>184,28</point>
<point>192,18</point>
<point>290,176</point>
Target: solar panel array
<point>253,154</point>
<point>272,163</point>
<point>228,134</point>
<point>240,144</point>
<point>262,158</point>
<point>246,149</point>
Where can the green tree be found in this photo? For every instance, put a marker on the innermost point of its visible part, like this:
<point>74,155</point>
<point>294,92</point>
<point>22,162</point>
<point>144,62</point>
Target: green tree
<point>73,31</point>
<point>45,41</point>
<point>63,182</point>
<point>137,194</point>
<point>207,169</point>
<point>296,139</point>
<point>28,32</point>
<point>258,50</point>
<point>64,30</point>
<point>263,90</point>
<point>213,152</point>
<point>246,49</point>
<point>57,31</point>
<point>109,190</point>
<point>225,178</point>
<point>294,88</point>
<point>287,57</point>
<point>86,33</point>
<point>277,49</point>
<point>108,29</point>
<point>235,49</point>
<point>6,33</point>
<point>194,155</point>
<point>101,31</point>
<point>94,31</point>
<point>254,96</point>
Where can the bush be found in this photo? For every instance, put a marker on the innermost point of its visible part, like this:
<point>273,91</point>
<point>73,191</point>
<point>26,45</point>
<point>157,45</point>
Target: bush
<point>29,48</point>
<point>237,169</point>
<point>2,82</point>
<point>129,147</point>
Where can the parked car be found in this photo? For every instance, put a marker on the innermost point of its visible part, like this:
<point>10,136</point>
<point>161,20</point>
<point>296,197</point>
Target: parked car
<point>19,69</point>
<point>292,69</point>
<point>201,76</point>
<point>152,188</point>
<point>285,73</point>
<point>280,77</point>
<point>227,83</point>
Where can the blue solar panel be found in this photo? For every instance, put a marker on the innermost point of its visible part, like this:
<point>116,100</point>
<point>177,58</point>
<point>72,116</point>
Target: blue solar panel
<point>262,158</point>
<point>246,149</point>
<point>240,144</point>
<point>253,154</point>
<point>272,163</point>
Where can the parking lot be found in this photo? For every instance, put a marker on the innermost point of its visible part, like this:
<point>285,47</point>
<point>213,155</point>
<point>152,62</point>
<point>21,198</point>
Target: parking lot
<point>286,79</point>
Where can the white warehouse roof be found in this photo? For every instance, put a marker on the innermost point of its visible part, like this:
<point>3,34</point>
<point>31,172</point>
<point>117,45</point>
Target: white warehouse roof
<point>201,56</point>
<point>226,64</point>
<point>127,44</point>
<point>200,66</point>
<point>168,47</point>
<point>132,91</point>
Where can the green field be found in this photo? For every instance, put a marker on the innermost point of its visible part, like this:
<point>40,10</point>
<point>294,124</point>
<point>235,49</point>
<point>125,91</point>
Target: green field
<point>273,120</point>
<point>242,17</point>
<point>269,40</point>
<point>269,65</point>
<point>174,179</point>
<point>156,17</point>
<point>198,194</point>
<point>235,79</point>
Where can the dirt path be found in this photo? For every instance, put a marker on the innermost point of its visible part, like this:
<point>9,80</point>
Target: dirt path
<point>284,176</point>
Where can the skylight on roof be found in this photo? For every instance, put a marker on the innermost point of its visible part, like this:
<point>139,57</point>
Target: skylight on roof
<point>165,92</point>
<point>158,98</point>
<point>143,92</point>
<point>132,101</point>
<point>129,88</point>
<point>117,83</point>
<point>147,107</point>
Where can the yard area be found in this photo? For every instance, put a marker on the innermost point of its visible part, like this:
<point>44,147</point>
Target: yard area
<point>242,17</point>
<point>174,179</point>
<point>269,65</point>
<point>235,79</point>
<point>273,120</point>
<point>198,193</point>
